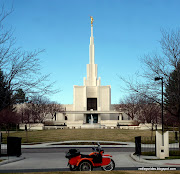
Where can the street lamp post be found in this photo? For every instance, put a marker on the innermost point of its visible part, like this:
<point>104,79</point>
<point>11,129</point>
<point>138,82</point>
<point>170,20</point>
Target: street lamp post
<point>156,79</point>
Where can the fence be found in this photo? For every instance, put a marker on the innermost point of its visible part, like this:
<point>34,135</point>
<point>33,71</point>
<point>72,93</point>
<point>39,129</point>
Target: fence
<point>148,144</point>
<point>3,147</point>
<point>174,144</point>
<point>12,148</point>
<point>3,150</point>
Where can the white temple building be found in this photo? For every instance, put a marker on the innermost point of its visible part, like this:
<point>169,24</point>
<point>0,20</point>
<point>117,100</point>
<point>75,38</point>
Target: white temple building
<point>91,106</point>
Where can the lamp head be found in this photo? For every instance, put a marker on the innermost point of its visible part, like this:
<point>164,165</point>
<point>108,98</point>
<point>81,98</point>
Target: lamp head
<point>157,78</point>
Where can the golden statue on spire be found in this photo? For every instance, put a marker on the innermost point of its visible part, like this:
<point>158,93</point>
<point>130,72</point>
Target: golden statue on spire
<point>91,20</point>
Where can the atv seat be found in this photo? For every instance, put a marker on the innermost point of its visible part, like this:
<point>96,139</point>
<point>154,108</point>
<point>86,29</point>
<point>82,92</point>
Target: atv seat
<point>72,153</point>
<point>96,158</point>
<point>85,156</point>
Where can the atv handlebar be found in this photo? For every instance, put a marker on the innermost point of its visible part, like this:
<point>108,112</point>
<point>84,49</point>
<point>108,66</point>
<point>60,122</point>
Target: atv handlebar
<point>96,149</point>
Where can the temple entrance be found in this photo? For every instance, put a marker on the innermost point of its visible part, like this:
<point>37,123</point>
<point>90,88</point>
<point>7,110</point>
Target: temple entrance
<point>95,118</point>
<point>92,104</point>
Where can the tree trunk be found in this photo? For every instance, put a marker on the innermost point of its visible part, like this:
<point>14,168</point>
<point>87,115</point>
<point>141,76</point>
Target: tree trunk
<point>8,131</point>
<point>152,132</point>
<point>27,136</point>
<point>179,136</point>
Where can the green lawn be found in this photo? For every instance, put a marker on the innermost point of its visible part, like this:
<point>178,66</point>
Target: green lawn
<point>80,134</point>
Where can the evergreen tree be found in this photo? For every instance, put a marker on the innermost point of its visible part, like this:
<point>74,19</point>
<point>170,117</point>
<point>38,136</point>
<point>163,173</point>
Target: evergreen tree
<point>19,97</point>
<point>172,93</point>
<point>5,93</point>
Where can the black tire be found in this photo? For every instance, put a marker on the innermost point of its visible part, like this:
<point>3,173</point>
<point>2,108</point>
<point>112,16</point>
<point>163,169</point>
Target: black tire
<point>72,167</point>
<point>109,167</point>
<point>85,166</point>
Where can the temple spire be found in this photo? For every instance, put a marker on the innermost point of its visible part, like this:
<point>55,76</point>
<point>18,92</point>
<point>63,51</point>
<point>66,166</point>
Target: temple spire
<point>92,20</point>
<point>91,46</point>
<point>91,67</point>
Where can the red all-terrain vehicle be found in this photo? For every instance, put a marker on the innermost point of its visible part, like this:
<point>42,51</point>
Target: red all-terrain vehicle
<point>78,161</point>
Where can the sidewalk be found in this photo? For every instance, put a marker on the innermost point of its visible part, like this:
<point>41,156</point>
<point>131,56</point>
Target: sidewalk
<point>154,160</point>
<point>11,159</point>
<point>62,144</point>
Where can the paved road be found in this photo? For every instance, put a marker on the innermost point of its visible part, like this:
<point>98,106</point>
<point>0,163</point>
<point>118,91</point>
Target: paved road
<point>57,161</point>
<point>53,159</point>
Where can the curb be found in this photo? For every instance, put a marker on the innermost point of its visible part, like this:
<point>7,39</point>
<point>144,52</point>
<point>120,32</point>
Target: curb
<point>6,161</point>
<point>141,160</point>
<point>137,158</point>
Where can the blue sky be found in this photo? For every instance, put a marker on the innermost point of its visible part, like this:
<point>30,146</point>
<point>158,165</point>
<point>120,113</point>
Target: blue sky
<point>124,30</point>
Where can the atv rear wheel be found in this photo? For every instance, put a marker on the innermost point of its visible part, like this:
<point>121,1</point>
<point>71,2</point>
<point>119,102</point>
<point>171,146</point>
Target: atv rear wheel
<point>72,167</point>
<point>85,166</point>
<point>109,167</point>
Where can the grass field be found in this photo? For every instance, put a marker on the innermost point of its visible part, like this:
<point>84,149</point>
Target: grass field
<point>121,135</point>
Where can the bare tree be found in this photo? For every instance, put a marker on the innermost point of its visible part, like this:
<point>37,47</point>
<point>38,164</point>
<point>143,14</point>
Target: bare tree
<point>8,119</point>
<point>37,110</point>
<point>21,68</point>
<point>38,107</point>
<point>53,108</point>
<point>141,109</point>
<point>157,65</point>
<point>151,113</point>
<point>129,105</point>
<point>162,65</point>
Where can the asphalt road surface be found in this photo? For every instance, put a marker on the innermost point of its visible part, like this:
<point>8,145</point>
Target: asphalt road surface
<point>53,159</point>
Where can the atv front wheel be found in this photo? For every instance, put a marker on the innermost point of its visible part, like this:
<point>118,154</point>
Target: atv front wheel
<point>109,167</point>
<point>85,166</point>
